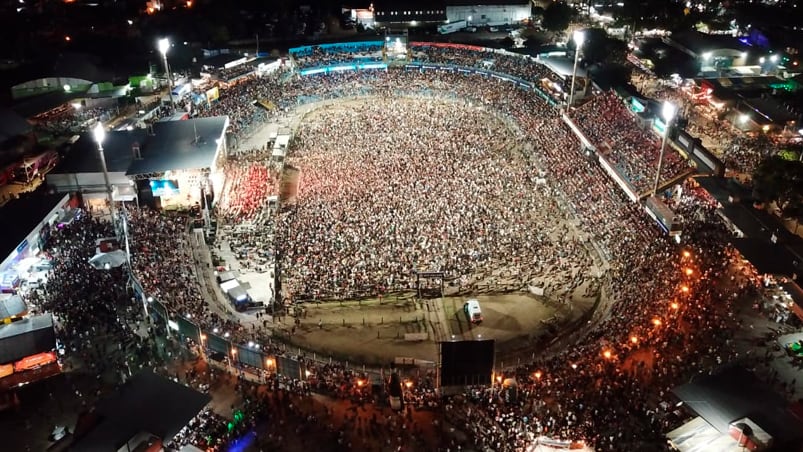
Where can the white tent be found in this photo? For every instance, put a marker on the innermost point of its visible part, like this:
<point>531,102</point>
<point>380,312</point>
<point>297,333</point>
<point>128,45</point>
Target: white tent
<point>109,260</point>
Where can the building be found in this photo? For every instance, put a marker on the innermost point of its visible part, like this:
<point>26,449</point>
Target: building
<point>171,161</point>
<point>409,13</point>
<point>488,12</point>
<point>735,412</point>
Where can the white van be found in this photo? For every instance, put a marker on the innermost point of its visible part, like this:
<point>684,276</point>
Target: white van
<point>473,311</point>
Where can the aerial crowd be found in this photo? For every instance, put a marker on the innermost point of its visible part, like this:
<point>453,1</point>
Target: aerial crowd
<point>483,175</point>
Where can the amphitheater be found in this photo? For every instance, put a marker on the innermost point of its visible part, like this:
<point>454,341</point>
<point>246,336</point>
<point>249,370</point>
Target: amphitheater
<point>405,186</point>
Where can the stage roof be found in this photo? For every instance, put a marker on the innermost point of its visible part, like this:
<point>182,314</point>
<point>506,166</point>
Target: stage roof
<point>146,403</point>
<point>562,66</point>
<point>20,216</point>
<point>735,393</point>
<point>173,147</point>
<point>83,155</point>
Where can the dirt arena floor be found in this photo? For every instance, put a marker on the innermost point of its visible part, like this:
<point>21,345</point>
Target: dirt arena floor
<point>374,332</point>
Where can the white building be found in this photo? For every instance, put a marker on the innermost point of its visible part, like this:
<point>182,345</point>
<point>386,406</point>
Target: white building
<point>488,12</point>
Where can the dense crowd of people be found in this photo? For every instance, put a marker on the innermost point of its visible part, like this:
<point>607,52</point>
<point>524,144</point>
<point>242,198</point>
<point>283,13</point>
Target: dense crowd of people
<point>483,175</point>
<point>399,186</point>
<point>633,151</point>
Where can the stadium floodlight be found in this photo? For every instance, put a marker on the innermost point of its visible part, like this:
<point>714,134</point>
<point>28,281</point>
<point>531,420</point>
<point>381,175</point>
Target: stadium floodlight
<point>579,38</point>
<point>668,112</point>
<point>164,45</point>
<point>774,58</point>
<point>743,118</point>
<point>762,60</point>
<point>99,133</point>
<point>707,56</point>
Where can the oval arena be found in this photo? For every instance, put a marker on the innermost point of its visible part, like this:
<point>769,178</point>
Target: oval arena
<point>369,192</point>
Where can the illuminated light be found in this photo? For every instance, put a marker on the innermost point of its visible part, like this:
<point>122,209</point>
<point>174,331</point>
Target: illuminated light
<point>250,344</point>
<point>163,45</point>
<point>766,128</point>
<point>360,383</point>
<point>269,362</point>
<point>607,354</point>
<point>215,330</point>
<point>743,118</point>
<point>574,366</point>
<point>656,322</point>
<point>689,272</point>
<point>76,105</point>
<point>774,58</point>
<point>579,38</point>
<point>538,374</point>
<point>234,351</point>
<point>668,111</point>
<point>707,56</point>
<point>684,289</point>
<point>634,339</point>
<point>499,378</point>
<point>226,334</point>
<point>189,4</point>
<point>675,306</point>
<point>150,300</point>
<point>203,336</point>
<point>99,132</point>
<point>67,88</point>
<point>408,384</point>
<point>762,60</point>
<point>686,254</point>
<point>67,38</point>
<point>307,373</point>
<point>130,22</point>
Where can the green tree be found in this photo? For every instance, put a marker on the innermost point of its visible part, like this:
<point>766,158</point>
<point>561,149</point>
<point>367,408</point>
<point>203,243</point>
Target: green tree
<point>557,16</point>
<point>781,181</point>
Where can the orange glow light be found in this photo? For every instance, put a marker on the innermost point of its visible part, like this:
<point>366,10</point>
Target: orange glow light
<point>656,322</point>
<point>684,289</point>
<point>538,374</point>
<point>408,384</point>
<point>607,354</point>
<point>269,362</point>
<point>634,339</point>
<point>689,272</point>
<point>359,383</point>
<point>675,306</point>
<point>686,254</point>
<point>67,38</point>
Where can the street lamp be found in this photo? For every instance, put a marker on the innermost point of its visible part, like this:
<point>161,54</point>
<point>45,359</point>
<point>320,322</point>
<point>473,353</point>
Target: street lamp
<point>668,112</point>
<point>164,46</point>
<point>579,37</point>
<point>99,132</point>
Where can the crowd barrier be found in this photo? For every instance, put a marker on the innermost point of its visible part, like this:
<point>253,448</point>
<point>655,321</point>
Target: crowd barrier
<point>247,357</point>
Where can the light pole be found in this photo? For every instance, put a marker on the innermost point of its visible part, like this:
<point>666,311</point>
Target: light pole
<point>668,112</point>
<point>164,46</point>
<point>99,132</point>
<point>579,37</point>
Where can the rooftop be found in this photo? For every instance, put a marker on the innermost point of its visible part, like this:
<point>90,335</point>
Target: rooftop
<point>736,393</point>
<point>20,216</point>
<point>26,337</point>
<point>83,156</point>
<point>173,145</point>
<point>145,403</point>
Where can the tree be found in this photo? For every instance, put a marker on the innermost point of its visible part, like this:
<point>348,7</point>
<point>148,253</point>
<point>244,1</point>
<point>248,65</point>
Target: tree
<point>780,181</point>
<point>557,16</point>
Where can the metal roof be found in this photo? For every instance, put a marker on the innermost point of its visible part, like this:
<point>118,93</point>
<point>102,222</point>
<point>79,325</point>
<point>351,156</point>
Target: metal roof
<point>146,403</point>
<point>20,216</point>
<point>173,145</point>
<point>83,156</point>
<point>735,393</point>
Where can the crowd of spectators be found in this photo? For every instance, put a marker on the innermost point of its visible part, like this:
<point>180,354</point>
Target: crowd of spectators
<point>633,151</point>
<point>317,56</point>
<point>71,120</point>
<point>398,184</point>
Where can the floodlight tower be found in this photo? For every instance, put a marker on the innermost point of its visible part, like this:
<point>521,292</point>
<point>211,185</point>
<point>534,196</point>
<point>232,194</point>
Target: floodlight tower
<point>668,112</point>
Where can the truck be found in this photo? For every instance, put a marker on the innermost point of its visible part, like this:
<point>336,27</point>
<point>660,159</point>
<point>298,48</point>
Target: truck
<point>452,27</point>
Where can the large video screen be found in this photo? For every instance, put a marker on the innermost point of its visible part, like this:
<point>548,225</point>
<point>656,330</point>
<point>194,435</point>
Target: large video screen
<point>164,188</point>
